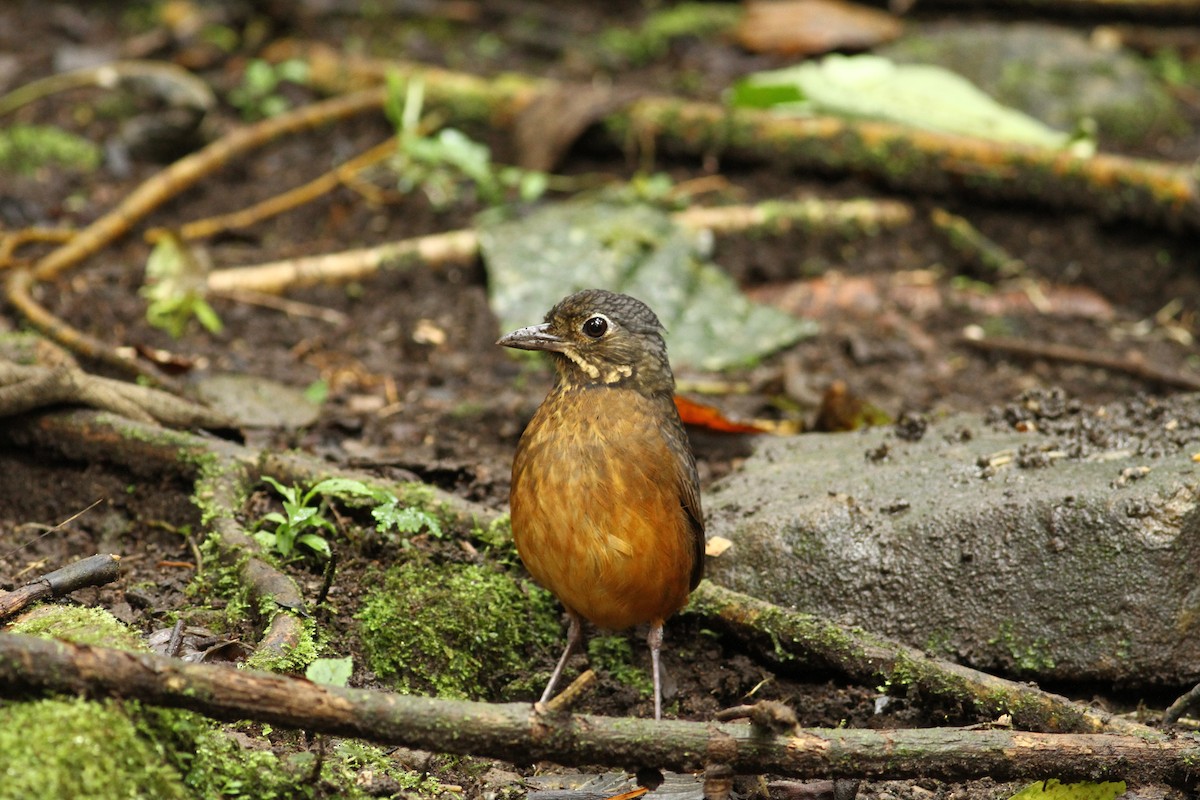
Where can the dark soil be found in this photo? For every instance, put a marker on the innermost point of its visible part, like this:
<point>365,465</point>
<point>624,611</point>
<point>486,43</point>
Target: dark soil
<point>449,408</point>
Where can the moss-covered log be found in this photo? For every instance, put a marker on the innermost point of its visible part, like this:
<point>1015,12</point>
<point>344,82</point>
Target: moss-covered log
<point>1110,186</point>
<point>516,732</point>
<point>865,657</point>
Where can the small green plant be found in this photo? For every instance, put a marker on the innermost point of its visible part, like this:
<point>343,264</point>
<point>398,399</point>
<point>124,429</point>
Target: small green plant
<point>175,287</point>
<point>447,164</point>
<point>299,523</point>
<point>302,522</point>
<point>257,97</point>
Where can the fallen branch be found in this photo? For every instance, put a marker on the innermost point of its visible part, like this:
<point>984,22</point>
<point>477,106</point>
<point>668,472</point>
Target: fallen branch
<point>865,217</point>
<point>18,292</point>
<point>143,200</point>
<point>286,201</point>
<point>1111,186</point>
<point>96,570</point>
<point>190,169</point>
<point>1183,704</point>
<point>514,732</point>
<point>866,658</point>
<point>26,387</point>
<point>1132,365</point>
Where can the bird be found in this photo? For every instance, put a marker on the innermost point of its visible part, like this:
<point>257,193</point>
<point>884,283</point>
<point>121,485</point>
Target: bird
<point>605,497</point>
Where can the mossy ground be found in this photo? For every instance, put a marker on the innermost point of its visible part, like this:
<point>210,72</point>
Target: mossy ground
<point>457,630</point>
<point>91,626</point>
<point>73,747</point>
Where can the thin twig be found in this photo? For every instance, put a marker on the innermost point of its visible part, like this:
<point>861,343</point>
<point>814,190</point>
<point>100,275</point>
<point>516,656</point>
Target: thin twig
<point>93,571</point>
<point>18,292</point>
<point>864,216</point>
<point>1187,701</point>
<point>1130,365</point>
<point>286,201</point>
<point>192,168</point>
<point>565,700</point>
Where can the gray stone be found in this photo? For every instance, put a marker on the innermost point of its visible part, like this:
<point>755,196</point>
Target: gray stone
<point>1053,73</point>
<point>1066,553</point>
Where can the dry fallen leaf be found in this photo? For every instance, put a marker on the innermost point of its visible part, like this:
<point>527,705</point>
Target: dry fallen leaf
<point>716,546</point>
<point>807,27</point>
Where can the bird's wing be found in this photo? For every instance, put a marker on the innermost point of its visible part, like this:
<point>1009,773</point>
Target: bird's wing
<point>689,498</point>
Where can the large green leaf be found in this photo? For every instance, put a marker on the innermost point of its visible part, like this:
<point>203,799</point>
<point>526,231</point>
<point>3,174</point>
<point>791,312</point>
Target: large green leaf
<point>534,262</point>
<point>871,87</point>
<point>1053,789</point>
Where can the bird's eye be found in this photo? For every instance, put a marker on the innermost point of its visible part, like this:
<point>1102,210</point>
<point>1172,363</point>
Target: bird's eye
<point>595,327</point>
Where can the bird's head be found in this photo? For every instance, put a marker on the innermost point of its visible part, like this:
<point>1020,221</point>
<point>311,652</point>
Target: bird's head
<point>601,338</point>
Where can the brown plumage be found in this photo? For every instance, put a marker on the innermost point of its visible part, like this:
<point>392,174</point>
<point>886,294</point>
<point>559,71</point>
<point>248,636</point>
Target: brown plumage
<point>605,498</point>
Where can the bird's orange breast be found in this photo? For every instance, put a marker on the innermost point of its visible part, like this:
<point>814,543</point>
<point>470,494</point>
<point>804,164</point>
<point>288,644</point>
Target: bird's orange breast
<point>596,511</point>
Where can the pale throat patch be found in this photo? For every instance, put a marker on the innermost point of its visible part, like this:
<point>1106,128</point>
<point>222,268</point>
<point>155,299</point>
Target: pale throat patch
<point>610,376</point>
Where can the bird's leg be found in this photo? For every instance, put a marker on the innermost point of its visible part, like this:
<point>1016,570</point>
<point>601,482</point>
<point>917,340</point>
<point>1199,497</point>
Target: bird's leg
<point>574,642</point>
<point>655,642</point>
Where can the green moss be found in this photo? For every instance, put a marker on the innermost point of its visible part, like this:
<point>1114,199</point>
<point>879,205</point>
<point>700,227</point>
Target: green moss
<point>210,470</point>
<point>76,748</point>
<point>353,759</point>
<point>939,643</point>
<point>652,38</point>
<point>455,630</point>
<point>28,148</point>
<point>120,749</point>
<point>497,535</point>
<point>222,582</point>
<point>295,658</point>
<point>112,749</point>
<point>1028,657</point>
<point>90,626</point>
<point>613,655</point>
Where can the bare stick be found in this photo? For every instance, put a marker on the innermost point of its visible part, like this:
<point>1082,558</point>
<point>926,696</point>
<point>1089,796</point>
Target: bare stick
<point>276,276</point>
<point>1134,366</point>
<point>192,168</point>
<point>861,216</point>
<point>93,571</point>
<point>286,201</point>
<point>17,290</point>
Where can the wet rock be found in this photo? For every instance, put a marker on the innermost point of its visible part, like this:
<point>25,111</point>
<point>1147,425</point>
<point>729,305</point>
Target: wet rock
<point>1047,541</point>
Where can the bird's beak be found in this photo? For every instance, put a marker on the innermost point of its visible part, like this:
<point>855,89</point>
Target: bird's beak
<point>535,337</point>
